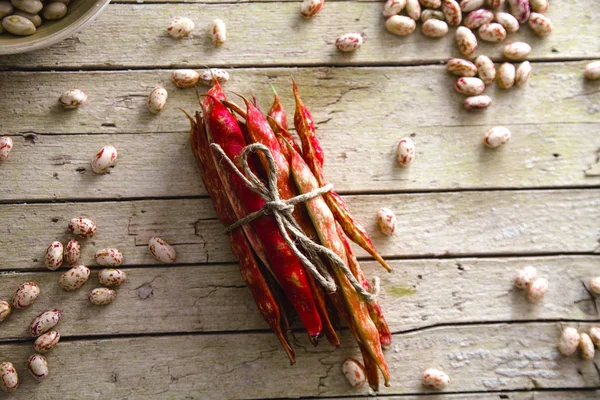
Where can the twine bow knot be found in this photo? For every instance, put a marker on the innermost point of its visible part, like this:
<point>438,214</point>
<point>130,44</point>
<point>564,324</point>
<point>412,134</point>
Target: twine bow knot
<point>282,212</point>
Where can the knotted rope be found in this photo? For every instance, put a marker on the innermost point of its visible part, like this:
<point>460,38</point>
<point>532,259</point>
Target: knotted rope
<point>282,212</point>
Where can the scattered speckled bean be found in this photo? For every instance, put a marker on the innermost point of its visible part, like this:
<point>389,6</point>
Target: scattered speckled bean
<point>72,251</point>
<point>18,25</point>
<point>523,73</point>
<point>157,99</point>
<point>310,8</point>
<point>434,28</point>
<point>477,18</point>
<point>9,378</point>
<point>161,250</point>
<point>104,159</point>
<point>595,335</point>
<point>72,98</point>
<point>586,347</point>
<point>74,278</point>
<point>109,257</point>
<point>26,295</point>
<point>46,342</point>
<point>54,10</point>
<point>413,9</point>
<point>387,221</point>
<point>435,379</point>
<point>349,42</point>
<point>6,145</point>
<point>54,256</point>
<point>486,70</point>
<point>206,77</point>
<point>469,86</point>
<point>393,7</point>
<point>431,3</point>
<point>525,277</point>
<point>520,9</point>
<point>185,78</point>
<point>496,136</point>
<point>180,27</point>
<point>218,32</point>
<point>592,72</point>
<point>111,277</point>
<point>452,12</point>
<point>460,67</point>
<point>44,322</point>
<point>354,372</point>
<point>569,340</point>
<point>508,21</point>
<point>477,102</point>
<point>102,296</point>
<point>492,32</point>
<point>432,14</point>
<point>540,6</point>
<point>540,24</point>
<point>5,310</point>
<point>400,25</point>
<point>495,3</point>
<point>83,227</point>
<point>537,290</point>
<point>506,76</point>
<point>37,364</point>
<point>466,40</point>
<point>406,151</point>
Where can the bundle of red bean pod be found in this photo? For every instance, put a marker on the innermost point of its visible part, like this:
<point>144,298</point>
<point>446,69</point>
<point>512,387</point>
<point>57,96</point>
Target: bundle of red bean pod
<point>283,273</point>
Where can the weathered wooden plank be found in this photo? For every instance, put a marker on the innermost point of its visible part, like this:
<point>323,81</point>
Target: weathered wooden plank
<point>238,366</point>
<point>134,35</point>
<point>346,102</point>
<point>418,294</point>
<point>472,223</point>
<point>58,167</point>
<point>529,395</point>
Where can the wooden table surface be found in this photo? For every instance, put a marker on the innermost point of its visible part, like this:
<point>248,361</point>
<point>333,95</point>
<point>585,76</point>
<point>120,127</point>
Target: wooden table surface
<point>469,217</point>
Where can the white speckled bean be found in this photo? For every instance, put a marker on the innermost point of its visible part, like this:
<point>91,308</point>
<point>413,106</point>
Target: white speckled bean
<point>18,25</point>
<point>495,3</point>
<point>435,379</point>
<point>37,364</point>
<point>44,322</point>
<point>492,32</point>
<point>432,14</point>
<point>586,347</point>
<point>9,378</point>
<point>460,67</point>
<point>595,284</point>
<point>452,12</point>
<point>520,9</point>
<point>111,277</point>
<point>486,70</point>
<point>477,18</point>
<point>161,250</point>
<point>470,5</point>
<point>470,86</point>
<point>54,256</point>
<point>354,372</point>
<point>83,227</point>
<point>393,7</point>
<point>540,24</point>
<point>6,145</point>
<point>102,296</point>
<point>180,27</point>
<point>109,257</point>
<point>434,28</point>
<point>26,295</point>
<point>523,73</point>
<point>387,221</point>
<point>72,251</point>
<point>400,25</point>
<point>46,342</point>
<point>5,310</point>
<point>595,335</point>
<point>157,99</point>
<point>474,103</point>
<point>406,152</point>
<point>506,76</point>
<point>525,277</point>
<point>74,278</point>
<point>569,340</point>
<point>592,72</point>
<point>310,8</point>
<point>413,9</point>
<point>537,290</point>
<point>466,40</point>
<point>349,42</point>
<point>496,136</point>
<point>540,6</point>
<point>206,77</point>
<point>30,6</point>
<point>105,159</point>
<point>185,78</point>
<point>218,32</point>
<point>54,10</point>
<point>72,98</point>
<point>508,21</point>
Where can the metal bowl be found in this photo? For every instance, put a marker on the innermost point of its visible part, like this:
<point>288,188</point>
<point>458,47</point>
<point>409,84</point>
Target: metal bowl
<point>81,13</point>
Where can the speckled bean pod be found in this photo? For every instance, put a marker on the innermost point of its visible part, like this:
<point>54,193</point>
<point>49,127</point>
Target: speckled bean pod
<point>520,9</point>
<point>506,76</point>
<point>105,159</point>
<point>492,32</point>
<point>434,28</point>
<point>400,25</point>
<point>486,70</point>
<point>180,27</point>
<point>569,340</point>
<point>460,67</point>
<point>310,8</point>
<point>406,152</point>
<point>157,99</point>
<point>540,24</point>
<point>469,86</point>
<point>508,21</point>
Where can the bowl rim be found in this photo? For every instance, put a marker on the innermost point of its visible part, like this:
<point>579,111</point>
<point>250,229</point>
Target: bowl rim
<point>85,19</point>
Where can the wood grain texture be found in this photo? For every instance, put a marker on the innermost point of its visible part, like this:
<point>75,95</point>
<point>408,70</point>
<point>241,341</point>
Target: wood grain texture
<point>417,295</point>
<point>377,104</point>
<point>134,35</point>
<point>432,224</point>
<point>243,366</point>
